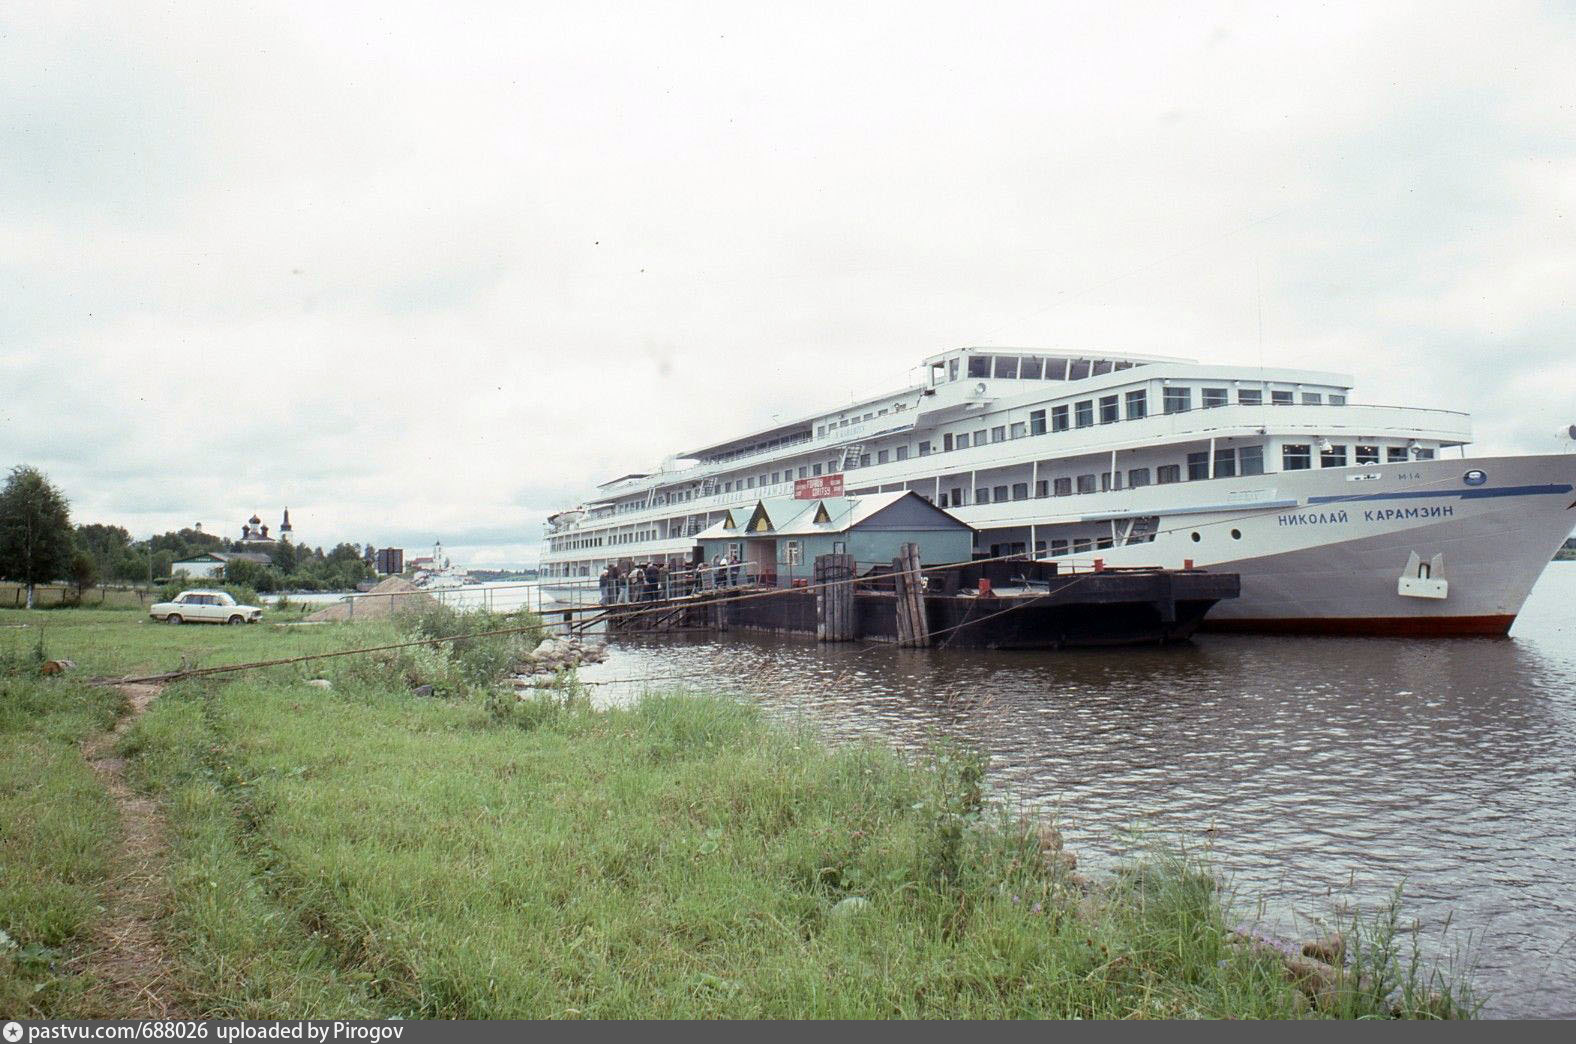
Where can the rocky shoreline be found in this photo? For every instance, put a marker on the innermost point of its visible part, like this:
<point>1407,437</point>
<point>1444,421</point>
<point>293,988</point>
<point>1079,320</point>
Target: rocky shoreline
<point>550,660</point>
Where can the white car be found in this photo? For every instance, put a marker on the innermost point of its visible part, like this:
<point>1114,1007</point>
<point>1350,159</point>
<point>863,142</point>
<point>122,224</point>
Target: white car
<point>205,607</point>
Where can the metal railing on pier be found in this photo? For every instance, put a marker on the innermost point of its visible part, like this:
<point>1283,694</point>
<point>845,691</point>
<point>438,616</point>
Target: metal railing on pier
<point>498,598</point>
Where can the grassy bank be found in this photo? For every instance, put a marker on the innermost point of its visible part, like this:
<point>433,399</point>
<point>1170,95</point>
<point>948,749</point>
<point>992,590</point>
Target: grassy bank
<point>56,833</point>
<point>367,851</point>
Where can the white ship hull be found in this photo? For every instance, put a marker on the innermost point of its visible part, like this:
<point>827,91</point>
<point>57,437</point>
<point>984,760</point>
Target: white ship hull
<point>1333,562</point>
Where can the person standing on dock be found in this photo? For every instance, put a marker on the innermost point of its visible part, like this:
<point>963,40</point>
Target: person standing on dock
<point>602,584</point>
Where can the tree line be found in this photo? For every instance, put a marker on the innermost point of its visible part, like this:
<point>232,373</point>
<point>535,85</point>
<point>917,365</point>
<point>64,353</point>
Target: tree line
<point>39,545</point>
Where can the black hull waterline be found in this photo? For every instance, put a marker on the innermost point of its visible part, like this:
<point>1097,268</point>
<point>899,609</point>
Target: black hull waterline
<point>1087,609</point>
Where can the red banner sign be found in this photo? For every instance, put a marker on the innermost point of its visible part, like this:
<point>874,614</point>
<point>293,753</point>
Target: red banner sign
<point>818,487</point>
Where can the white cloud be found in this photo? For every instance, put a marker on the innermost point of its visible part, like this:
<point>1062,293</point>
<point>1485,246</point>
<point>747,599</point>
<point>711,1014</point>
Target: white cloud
<point>438,267</point>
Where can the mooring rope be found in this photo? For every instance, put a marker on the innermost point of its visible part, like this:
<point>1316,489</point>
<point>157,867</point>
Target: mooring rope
<point>670,603</point>
<point>1018,603</point>
<point>666,606</point>
<point>195,672</point>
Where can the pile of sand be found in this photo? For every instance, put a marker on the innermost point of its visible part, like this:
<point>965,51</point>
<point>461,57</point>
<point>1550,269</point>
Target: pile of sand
<point>388,597</point>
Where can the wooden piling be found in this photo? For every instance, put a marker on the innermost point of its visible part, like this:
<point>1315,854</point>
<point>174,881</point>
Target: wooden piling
<point>913,628</point>
<point>834,598</point>
<point>916,588</point>
<point>905,633</point>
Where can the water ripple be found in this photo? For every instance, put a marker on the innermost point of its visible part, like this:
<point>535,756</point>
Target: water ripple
<point>1320,774</point>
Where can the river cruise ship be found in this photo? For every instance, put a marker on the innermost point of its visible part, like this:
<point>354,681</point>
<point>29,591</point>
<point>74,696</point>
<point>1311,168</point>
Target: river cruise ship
<point>1339,516</point>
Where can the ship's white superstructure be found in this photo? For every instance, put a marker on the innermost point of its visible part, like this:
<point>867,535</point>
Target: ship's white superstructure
<point>1340,516</point>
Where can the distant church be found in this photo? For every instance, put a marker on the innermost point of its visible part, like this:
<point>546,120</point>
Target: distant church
<point>254,533</point>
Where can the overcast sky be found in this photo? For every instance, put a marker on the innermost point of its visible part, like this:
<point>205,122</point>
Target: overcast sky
<point>431,270</point>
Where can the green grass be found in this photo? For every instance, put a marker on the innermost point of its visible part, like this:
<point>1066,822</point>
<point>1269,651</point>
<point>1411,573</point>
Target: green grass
<point>57,825</point>
<point>683,858</point>
<point>110,643</point>
<point>56,831</point>
<point>56,596</point>
<point>362,851</point>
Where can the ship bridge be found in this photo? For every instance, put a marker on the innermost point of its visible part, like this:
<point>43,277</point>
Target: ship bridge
<point>1031,364</point>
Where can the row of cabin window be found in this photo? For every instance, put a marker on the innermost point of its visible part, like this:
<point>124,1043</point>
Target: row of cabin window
<point>822,429</point>
<point>596,541</point>
<point>761,447</point>
<point>1229,463</point>
<point>576,544</point>
<point>794,440</point>
<point>1080,415</point>
<point>1111,409</point>
<point>1180,400</point>
<point>787,475</point>
<point>1035,367</point>
<point>1299,456</point>
<point>1294,458</point>
<point>673,496</point>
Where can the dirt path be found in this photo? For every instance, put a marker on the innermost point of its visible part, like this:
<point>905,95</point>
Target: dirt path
<point>131,971</point>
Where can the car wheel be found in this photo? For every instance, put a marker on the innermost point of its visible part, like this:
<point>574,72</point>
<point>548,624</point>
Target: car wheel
<point>173,618</point>
<point>237,620</point>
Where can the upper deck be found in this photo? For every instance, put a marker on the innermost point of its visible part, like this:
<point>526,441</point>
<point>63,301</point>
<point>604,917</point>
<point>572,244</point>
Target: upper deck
<point>992,425</point>
<point>1003,364</point>
<point>975,376</point>
<point>979,408</point>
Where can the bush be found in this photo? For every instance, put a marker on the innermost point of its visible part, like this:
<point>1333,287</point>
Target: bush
<point>16,660</point>
<point>255,575</point>
<point>478,664</point>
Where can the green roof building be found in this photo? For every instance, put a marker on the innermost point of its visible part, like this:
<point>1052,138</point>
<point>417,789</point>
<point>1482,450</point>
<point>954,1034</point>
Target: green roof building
<point>779,538</point>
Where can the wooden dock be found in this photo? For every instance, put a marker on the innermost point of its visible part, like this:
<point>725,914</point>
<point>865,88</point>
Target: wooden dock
<point>997,605</point>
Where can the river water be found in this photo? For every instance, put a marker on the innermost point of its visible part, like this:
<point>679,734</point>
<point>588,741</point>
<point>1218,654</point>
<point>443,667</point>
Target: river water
<point>1320,773</point>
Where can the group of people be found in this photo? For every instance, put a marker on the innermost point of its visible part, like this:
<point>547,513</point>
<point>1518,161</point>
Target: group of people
<point>653,581</point>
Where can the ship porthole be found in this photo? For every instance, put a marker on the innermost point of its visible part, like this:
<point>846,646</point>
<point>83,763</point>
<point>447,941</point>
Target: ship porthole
<point>1236,534</point>
<point>1474,478</point>
<point>1196,538</point>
